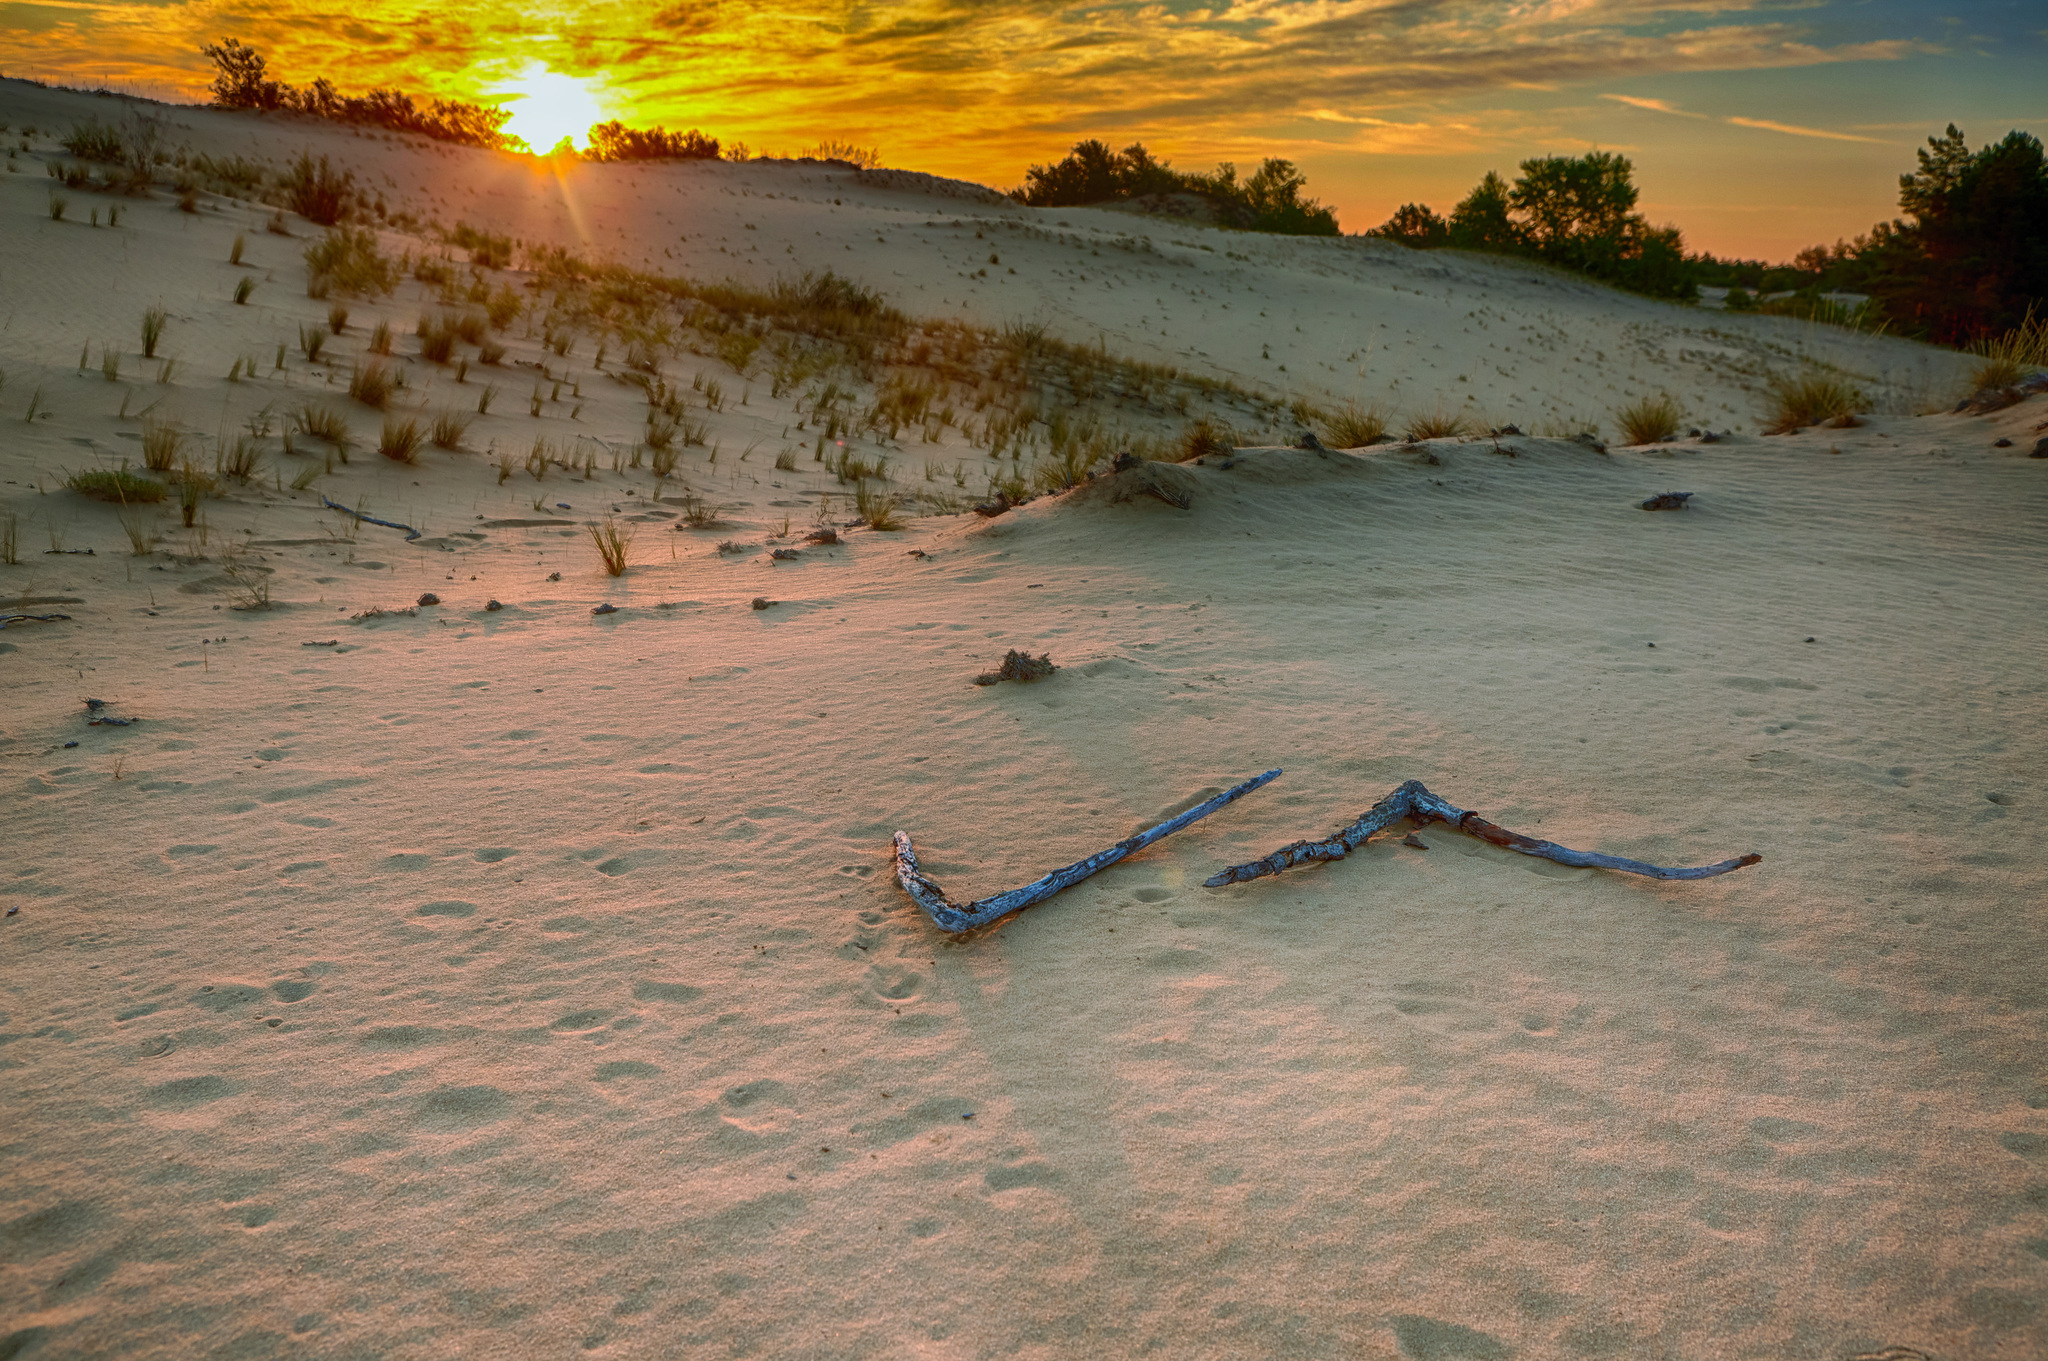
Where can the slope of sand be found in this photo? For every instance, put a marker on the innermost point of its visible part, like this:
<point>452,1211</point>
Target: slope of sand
<point>528,982</point>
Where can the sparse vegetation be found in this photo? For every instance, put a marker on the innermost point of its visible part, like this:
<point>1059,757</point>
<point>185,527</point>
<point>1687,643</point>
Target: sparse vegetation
<point>612,543</point>
<point>192,485</point>
<point>118,485</point>
<point>312,340</point>
<point>238,458</point>
<point>337,318</point>
<point>59,205</point>
<point>1814,398</point>
<point>244,286</point>
<point>380,338</point>
<point>1650,420</point>
<point>152,330</point>
<point>10,539</point>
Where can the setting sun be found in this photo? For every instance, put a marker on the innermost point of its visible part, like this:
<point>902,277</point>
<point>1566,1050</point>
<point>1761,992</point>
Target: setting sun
<point>549,107</point>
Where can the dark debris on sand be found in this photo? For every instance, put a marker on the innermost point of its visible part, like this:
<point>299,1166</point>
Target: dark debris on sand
<point>1019,666</point>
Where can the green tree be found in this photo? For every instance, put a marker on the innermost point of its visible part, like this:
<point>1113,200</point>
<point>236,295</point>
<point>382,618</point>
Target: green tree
<point>1576,211</point>
<point>1481,221</point>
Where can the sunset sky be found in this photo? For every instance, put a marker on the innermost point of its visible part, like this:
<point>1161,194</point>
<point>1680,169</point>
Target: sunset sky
<point>1757,127</point>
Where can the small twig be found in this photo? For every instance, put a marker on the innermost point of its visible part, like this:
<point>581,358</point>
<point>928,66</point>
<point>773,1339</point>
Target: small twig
<point>957,917</point>
<point>1416,803</point>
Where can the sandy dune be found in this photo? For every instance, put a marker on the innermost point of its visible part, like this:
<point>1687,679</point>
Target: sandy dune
<point>527,982</point>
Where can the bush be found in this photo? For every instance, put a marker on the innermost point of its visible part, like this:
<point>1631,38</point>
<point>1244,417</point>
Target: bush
<point>1019,666</point>
<point>118,485</point>
<point>1649,421</point>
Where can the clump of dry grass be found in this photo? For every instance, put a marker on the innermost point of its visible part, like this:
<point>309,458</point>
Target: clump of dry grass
<point>1019,666</point>
<point>152,330</point>
<point>312,340</point>
<point>160,444</point>
<point>371,384</point>
<point>1650,420</point>
<point>380,338</point>
<point>2006,360</point>
<point>449,428</point>
<point>400,440</point>
<point>612,543</point>
<point>437,340</point>
<point>1811,399</point>
<point>323,422</point>
<point>1352,426</point>
<point>876,509</point>
<point>238,459</point>
<point>1202,438</point>
<point>117,485</point>
<point>1435,424</point>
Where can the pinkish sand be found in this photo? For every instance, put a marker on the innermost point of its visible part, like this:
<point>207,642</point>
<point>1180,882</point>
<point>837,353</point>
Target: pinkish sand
<point>534,983</point>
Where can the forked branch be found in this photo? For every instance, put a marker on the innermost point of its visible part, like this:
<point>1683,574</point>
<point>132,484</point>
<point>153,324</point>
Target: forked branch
<point>952,916</point>
<point>1416,803</point>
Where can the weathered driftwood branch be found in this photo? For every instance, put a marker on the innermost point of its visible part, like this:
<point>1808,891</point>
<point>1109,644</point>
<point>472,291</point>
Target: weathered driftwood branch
<point>952,916</point>
<point>332,504</point>
<point>1416,803</point>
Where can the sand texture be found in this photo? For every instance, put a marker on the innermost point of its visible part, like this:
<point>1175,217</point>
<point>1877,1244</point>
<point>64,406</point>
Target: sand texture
<point>529,982</point>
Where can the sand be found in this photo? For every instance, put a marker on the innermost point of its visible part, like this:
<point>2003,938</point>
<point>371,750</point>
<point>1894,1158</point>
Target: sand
<point>530,982</point>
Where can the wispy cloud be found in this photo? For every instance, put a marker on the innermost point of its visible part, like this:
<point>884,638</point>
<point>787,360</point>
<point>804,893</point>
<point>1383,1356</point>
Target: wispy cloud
<point>1766,124</point>
<point>1796,131</point>
<point>1654,105</point>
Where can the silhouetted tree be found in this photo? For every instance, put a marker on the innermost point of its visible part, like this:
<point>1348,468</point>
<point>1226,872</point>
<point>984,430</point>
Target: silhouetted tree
<point>1270,200</point>
<point>1413,224</point>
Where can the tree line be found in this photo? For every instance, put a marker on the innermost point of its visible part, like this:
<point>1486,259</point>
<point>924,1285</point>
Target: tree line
<point>1968,259</point>
<point>1577,212</point>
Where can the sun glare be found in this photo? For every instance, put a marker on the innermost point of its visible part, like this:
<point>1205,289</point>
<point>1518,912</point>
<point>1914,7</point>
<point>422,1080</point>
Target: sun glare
<point>548,107</point>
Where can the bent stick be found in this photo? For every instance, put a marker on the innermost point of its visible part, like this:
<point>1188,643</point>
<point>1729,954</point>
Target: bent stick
<point>1415,802</point>
<point>956,917</point>
<point>410,532</point>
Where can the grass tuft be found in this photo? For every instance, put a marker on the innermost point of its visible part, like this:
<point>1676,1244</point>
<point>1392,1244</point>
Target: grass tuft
<point>400,440</point>
<point>244,286</point>
<point>449,428</point>
<point>1812,399</point>
<point>1202,438</point>
<point>1353,426</point>
<point>612,543</point>
<point>371,384</point>
<point>876,509</point>
<point>1437,424</point>
<point>152,330</point>
<point>1651,420</point>
<point>160,445</point>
